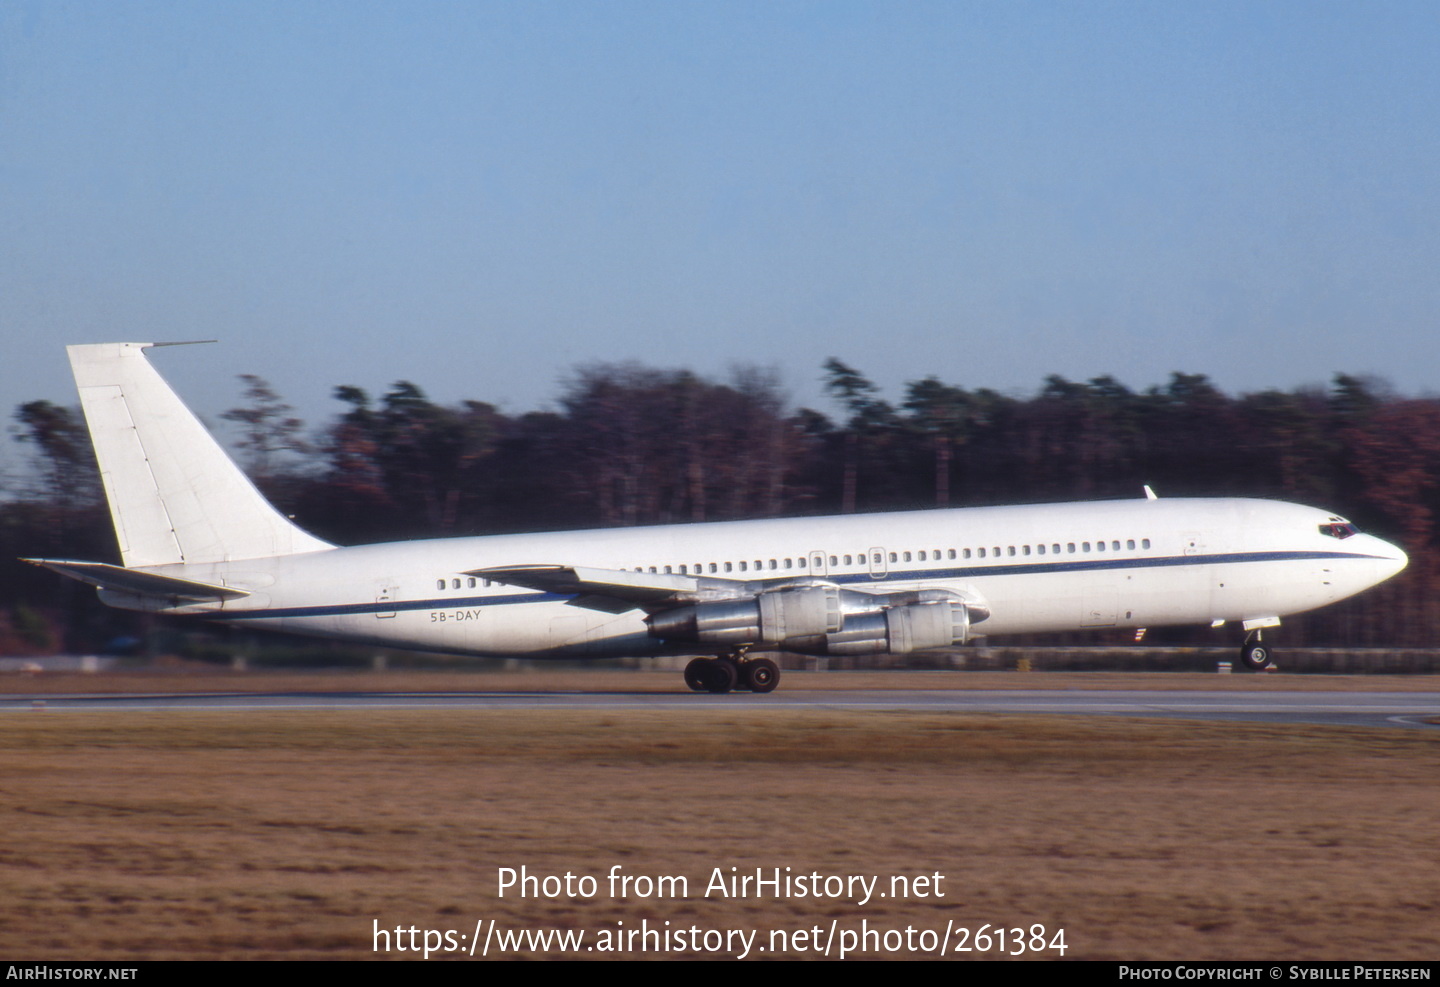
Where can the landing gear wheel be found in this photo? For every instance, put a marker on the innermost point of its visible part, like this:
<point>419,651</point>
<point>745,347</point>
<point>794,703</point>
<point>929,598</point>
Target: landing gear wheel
<point>1255,655</point>
<point>720,675</point>
<point>695,676</point>
<point>740,682</point>
<point>763,674</point>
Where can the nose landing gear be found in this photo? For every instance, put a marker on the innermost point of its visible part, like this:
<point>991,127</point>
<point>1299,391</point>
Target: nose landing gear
<point>1255,655</point>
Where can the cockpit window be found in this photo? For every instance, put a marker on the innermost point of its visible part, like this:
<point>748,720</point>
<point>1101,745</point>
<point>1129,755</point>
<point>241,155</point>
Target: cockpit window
<point>1338,529</point>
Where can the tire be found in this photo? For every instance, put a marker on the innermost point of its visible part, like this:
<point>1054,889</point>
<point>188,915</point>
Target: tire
<point>695,676</point>
<point>764,674</point>
<point>1255,657</point>
<point>720,675</point>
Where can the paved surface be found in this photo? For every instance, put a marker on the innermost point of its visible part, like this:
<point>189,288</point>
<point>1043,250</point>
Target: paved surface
<point>1368,709</point>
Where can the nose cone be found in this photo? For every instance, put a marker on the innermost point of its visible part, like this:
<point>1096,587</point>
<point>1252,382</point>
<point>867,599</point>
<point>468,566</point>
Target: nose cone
<point>1397,560</point>
<point>1388,559</point>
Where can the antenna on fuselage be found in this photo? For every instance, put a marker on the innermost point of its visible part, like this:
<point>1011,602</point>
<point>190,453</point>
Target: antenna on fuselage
<point>1150,494</point>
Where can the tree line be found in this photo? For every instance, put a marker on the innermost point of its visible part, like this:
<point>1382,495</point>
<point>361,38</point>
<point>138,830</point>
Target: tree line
<point>628,444</point>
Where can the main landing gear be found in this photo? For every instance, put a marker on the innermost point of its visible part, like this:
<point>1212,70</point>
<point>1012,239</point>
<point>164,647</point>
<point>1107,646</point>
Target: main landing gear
<point>1255,655</point>
<point>733,671</point>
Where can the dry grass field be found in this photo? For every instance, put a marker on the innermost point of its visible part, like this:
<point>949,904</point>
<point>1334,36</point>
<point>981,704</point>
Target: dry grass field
<point>288,834</point>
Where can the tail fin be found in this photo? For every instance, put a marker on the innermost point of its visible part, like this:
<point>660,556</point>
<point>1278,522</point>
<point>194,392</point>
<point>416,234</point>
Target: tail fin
<point>175,496</point>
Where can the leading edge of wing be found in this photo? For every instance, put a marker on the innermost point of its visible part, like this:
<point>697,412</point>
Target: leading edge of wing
<point>607,590</point>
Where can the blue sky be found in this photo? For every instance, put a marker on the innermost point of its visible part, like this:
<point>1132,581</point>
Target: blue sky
<point>480,196</point>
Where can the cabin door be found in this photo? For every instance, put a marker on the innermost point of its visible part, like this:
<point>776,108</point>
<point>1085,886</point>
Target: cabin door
<point>387,594</point>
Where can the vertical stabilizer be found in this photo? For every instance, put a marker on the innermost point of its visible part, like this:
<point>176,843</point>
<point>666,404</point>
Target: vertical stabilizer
<point>174,495</point>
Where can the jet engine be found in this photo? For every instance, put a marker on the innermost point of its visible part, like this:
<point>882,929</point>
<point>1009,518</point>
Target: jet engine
<point>769,617</point>
<point>823,619</point>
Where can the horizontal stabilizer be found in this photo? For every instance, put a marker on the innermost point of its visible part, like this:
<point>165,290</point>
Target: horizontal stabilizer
<point>138,582</point>
<point>608,590</point>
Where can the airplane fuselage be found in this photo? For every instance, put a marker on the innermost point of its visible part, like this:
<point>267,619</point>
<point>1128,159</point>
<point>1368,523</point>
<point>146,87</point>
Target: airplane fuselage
<point>1057,567</point>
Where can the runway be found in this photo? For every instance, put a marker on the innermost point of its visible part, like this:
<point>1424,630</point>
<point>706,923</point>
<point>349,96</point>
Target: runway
<point>1357,709</point>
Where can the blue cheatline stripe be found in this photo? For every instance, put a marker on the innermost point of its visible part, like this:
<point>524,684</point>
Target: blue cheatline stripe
<point>860,578</point>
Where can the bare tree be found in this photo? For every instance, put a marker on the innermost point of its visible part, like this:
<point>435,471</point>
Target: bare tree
<point>267,428</point>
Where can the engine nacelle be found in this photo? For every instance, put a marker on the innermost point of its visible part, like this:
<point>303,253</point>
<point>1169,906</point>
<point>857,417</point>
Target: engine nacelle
<point>770,618</point>
<point>897,630</point>
<point>823,619</point>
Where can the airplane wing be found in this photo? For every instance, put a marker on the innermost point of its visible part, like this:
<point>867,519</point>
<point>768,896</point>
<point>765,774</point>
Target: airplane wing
<point>137,581</point>
<point>812,616</point>
<point>606,590</point>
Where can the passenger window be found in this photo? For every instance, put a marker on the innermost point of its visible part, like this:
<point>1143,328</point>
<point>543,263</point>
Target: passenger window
<point>1010,551</point>
<point>835,560</point>
<point>1145,543</point>
<point>1026,550</point>
<point>907,556</point>
<point>455,583</point>
<point>729,567</point>
<point>967,553</point>
<point>1130,544</point>
<point>1099,546</point>
<point>952,553</point>
<point>1115,545</point>
<point>982,553</point>
<point>439,584</point>
<point>1070,547</point>
<point>847,560</point>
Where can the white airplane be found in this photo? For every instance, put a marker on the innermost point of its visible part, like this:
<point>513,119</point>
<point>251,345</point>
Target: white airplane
<point>196,538</point>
